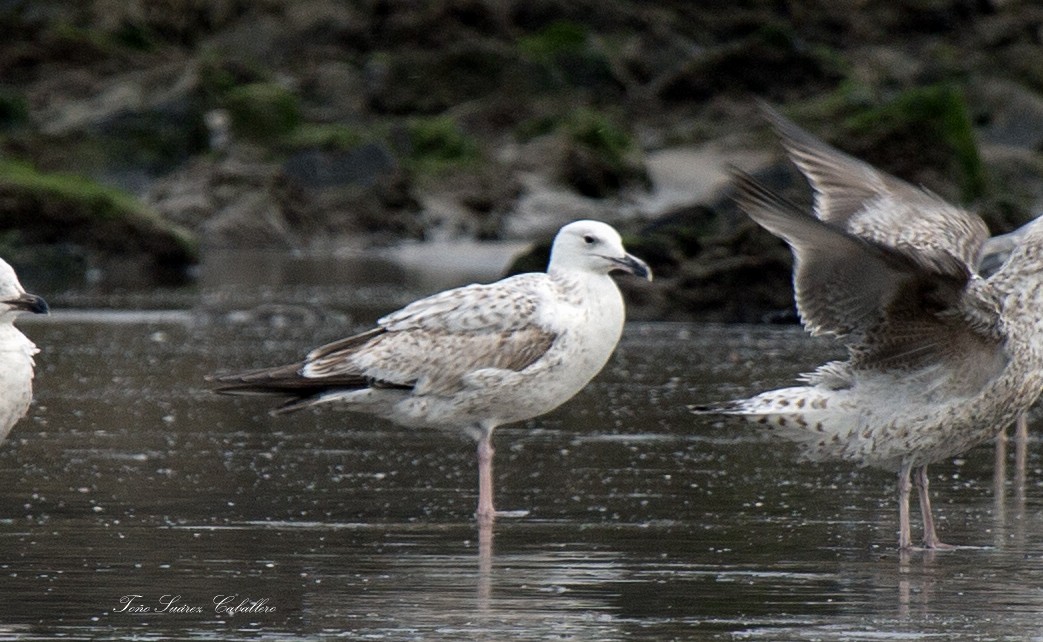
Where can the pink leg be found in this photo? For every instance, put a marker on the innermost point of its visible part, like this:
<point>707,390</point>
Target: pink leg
<point>930,536</point>
<point>904,486</point>
<point>485,513</point>
<point>1022,432</point>
<point>999,470</point>
<point>1021,448</point>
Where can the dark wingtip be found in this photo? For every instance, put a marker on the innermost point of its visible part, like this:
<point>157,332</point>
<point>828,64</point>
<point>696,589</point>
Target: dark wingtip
<point>722,408</point>
<point>753,196</point>
<point>701,409</point>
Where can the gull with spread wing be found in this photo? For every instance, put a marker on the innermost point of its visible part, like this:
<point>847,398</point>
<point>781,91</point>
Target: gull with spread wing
<point>939,358</point>
<point>476,357</point>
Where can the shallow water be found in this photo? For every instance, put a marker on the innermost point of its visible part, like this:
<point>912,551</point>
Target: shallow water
<point>645,522</point>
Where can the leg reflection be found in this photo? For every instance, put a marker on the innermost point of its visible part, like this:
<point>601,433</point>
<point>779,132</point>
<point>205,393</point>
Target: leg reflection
<point>1021,439</point>
<point>1003,531</point>
<point>916,583</point>
<point>999,489</point>
<point>485,565</point>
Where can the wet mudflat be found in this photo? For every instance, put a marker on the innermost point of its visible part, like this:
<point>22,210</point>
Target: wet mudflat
<point>131,479</point>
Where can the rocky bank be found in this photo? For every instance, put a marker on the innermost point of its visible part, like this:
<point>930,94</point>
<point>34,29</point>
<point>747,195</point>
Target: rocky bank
<point>147,131</point>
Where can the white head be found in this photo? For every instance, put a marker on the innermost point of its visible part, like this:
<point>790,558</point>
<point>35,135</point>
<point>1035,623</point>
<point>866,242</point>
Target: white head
<point>593,246</point>
<point>13,297</point>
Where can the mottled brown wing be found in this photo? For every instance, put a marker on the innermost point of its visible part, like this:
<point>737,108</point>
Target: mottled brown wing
<point>910,337</point>
<point>430,346</point>
<point>437,362</point>
<point>877,206</point>
<point>893,308</point>
<point>434,343</point>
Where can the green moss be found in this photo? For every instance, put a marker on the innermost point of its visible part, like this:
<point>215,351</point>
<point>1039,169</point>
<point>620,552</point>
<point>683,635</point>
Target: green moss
<point>562,55</point>
<point>76,205</point>
<point>438,143</point>
<point>134,36</point>
<point>558,38</point>
<point>262,110</point>
<point>601,135</point>
<point>936,119</point>
<point>323,135</point>
<point>536,127</point>
<point>90,43</point>
<point>215,78</point>
<point>105,203</point>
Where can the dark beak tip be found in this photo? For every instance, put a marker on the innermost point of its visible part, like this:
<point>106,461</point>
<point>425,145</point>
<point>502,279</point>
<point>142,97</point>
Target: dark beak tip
<point>30,303</point>
<point>638,268</point>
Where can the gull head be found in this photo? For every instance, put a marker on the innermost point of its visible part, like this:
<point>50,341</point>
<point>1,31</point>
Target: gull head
<point>595,247</point>
<point>13,297</point>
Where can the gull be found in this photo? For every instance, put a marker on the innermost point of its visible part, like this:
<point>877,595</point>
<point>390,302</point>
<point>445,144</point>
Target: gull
<point>475,357</point>
<point>16,350</point>
<point>994,253</point>
<point>939,358</point>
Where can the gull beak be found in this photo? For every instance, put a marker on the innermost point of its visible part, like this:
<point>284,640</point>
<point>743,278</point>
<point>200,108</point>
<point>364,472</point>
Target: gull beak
<point>29,303</point>
<point>634,265</point>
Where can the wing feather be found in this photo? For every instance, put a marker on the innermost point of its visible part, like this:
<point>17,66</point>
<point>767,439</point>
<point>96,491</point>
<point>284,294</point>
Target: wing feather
<point>895,309</point>
<point>877,206</point>
<point>430,346</point>
<point>433,344</point>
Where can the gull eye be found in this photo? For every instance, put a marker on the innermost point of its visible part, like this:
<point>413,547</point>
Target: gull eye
<point>589,240</point>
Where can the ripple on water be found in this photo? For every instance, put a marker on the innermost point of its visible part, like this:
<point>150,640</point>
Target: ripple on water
<point>644,521</point>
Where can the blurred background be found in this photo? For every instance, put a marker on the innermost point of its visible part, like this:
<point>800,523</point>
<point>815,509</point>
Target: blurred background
<point>140,139</point>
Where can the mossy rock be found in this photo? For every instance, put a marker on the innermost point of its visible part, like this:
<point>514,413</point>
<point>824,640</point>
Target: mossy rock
<point>263,110</point>
<point>416,81</point>
<point>156,140</point>
<point>60,208</point>
<point>601,157</point>
<point>563,55</point>
<point>771,62</point>
<point>925,136</point>
<point>602,135</point>
<point>327,136</point>
<point>438,144</point>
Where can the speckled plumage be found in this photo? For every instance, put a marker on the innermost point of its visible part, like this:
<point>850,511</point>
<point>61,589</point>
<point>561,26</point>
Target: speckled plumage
<point>16,350</point>
<point>474,357</point>
<point>940,359</point>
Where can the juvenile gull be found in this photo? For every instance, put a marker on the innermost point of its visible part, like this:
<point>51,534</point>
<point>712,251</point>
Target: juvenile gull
<point>16,350</point>
<point>939,358</point>
<point>475,357</point>
<point>994,254</point>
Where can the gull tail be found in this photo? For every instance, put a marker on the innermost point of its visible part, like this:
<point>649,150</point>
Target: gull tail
<point>287,381</point>
<point>719,408</point>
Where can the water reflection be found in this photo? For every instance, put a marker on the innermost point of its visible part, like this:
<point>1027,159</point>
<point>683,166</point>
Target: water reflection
<point>129,477</point>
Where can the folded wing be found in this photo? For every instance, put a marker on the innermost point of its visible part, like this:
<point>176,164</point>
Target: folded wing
<point>429,347</point>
